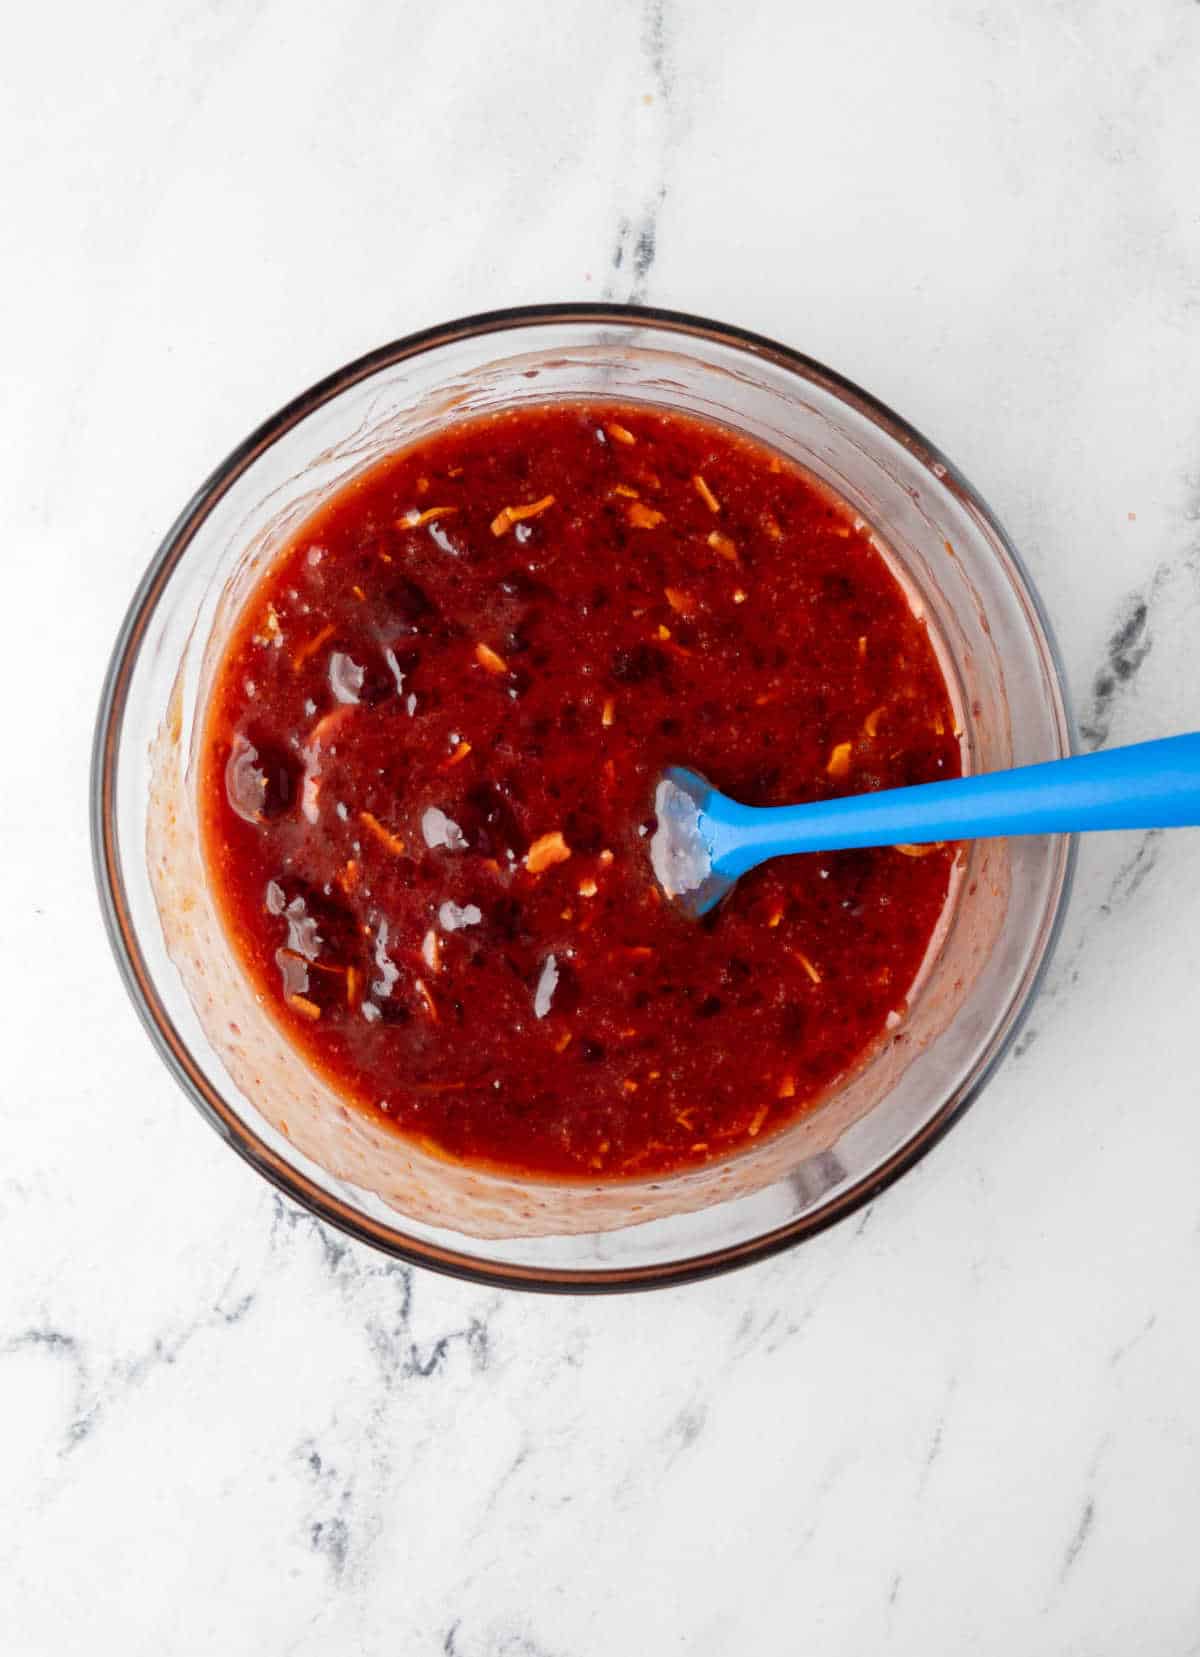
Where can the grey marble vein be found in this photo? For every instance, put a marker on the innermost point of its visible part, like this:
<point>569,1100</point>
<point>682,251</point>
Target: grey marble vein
<point>1122,887</point>
<point>330,1533</point>
<point>500,1488</point>
<point>97,1392</point>
<point>505,1643</point>
<point>1128,646</point>
<point>1134,871</point>
<point>1120,1352</point>
<point>1085,1523</point>
<point>837,1467</point>
<point>683,1431</point>
<point>635,247</point>
<point>66,1348</point>
<point>936,1442</point>
<point>1075,1546</point>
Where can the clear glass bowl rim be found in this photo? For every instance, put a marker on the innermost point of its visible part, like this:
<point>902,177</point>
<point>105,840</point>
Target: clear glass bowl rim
<point>105,842</point>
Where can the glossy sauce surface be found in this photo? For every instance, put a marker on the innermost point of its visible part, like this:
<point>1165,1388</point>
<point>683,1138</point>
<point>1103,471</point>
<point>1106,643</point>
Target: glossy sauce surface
<point>428,768</point>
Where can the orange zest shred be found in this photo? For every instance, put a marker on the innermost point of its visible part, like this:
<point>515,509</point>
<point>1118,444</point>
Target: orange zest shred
<point>871,722</point>
<point>706,494</point>
<point>545,851</point>
<point>862,646</point>
<point>454,471</point>
<point>606,858</point>
<point>326,727</point>
<point>787,1088</point>
<point>272,632</point>
<point>459,754</point>
<point>620,434</point>
<point>306,1008</point>
<point>683,602</point>
<point>329,968</point>
<point>563,1042</point>
<point>776,915</point>
<point>739,595</point>
<point>431,951</point>
<point>807,965</point>
<point>839,760</point>
<point>413,519</point>
<point>353,986</point>
<point>587,888</point>
<point>723,546</point>
<point>629,1085</point>
<point>663,632</point>
<point>430,1004</point>
<point>358,592</point>
<point>348,875</point>
<point>624,489</point>
<point>487,657</point>
<point>609,711</point>
<point>510,515</point>
<point>919,851</point>
<point>642,516</point>
<point>757,1120</point>
<point>771,524</point>
<point>310,649</point>
<point>431,1147</point>
<point>384,835</point>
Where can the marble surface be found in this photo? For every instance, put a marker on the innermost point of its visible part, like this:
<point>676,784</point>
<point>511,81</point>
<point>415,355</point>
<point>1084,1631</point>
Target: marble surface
<point>968,1419</point>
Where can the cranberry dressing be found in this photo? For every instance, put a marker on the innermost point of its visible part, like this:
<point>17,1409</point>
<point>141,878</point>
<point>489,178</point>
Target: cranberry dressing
<point>427,771</point>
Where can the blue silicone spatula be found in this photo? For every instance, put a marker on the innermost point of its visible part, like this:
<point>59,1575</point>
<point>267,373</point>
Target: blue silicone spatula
<point>704,841</point>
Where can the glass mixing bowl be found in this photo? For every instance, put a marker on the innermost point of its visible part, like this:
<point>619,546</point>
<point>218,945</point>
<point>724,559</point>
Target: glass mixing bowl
<point>222,1047</point>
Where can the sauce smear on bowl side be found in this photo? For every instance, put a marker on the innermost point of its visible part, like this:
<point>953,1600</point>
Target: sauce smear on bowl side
<point>427,768</point>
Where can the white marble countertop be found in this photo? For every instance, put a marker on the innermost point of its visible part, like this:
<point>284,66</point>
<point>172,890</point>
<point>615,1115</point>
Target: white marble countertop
<point>966,1421</point>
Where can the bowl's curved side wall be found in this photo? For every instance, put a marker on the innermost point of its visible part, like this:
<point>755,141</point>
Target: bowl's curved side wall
<point>148,851</point>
